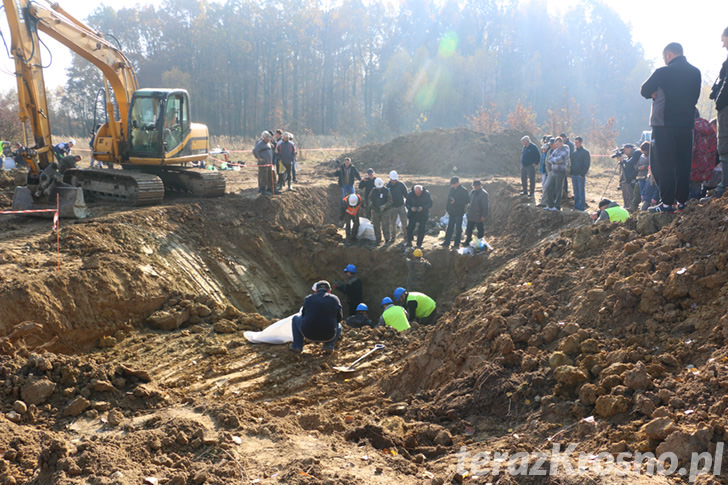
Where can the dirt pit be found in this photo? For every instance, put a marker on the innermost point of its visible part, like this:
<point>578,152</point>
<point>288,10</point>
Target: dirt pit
<point>129,365</point>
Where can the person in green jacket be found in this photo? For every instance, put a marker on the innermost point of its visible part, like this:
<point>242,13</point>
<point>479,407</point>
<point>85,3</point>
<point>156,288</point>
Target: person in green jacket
<point>419,305</point>
<point>393,315</point>
<point>610,212</point>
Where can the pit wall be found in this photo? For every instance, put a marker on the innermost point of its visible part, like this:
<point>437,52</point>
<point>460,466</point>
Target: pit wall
<point>259,255</point>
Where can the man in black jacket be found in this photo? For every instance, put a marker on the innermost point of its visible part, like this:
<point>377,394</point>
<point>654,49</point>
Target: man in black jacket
<point>580,162</point>
<point>530,157</point>
<point>397,209</point>
<point>319,319</point>
<point>674,89</point>
<point>457,200</point>
<point>720,94</point>
<point>418,204</point>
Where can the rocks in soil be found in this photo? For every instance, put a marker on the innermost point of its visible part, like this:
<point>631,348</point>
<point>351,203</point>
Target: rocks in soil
<point>37,391</point>
<point>225,326</point>
<point>658,428</point>
<point>609,405</point>
<point>76,407</point>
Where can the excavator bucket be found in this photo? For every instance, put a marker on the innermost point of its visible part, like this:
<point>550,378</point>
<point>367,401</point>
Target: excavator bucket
<point>70,201</point>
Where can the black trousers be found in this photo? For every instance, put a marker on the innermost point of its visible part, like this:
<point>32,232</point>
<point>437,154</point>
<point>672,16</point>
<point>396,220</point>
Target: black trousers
<point>674,158</point>
<point>351,226</point>
<point>454,227</point>
<point>416,219</point>
<point>469,231</point>
<point>528,178</point>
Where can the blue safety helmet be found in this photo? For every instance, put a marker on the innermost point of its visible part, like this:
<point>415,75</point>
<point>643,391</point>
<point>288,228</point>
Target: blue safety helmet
<point>399,292</point>
<point>362,307</point>
<point>350,268</point>
<point>387,301</point>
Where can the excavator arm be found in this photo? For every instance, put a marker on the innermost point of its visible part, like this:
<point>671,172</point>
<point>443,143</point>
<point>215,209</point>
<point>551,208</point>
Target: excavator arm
<point>153,131</point>
<point>26,18</point>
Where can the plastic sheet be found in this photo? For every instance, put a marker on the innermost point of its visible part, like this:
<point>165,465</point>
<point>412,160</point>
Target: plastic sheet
<point>280,332</point>
<point>366,229</point>
<point>8,163</point>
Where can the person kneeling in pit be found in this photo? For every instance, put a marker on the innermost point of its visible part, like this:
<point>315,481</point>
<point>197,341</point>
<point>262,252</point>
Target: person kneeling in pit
<point>319,319</point>
<point>419,305</point>
<point>360,318</point>
<point>610,212</point>
<point>393,315</point>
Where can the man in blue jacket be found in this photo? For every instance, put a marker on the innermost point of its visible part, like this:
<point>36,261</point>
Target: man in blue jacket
<point>674,90</point>
<point>319,319</point>
<point>530,157</point>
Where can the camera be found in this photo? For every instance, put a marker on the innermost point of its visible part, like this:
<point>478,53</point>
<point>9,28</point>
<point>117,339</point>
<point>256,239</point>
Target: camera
<point>618,153</point>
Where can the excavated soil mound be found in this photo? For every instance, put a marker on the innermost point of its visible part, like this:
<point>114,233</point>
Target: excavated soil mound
<point>443,152</point>
<point>624,324</point>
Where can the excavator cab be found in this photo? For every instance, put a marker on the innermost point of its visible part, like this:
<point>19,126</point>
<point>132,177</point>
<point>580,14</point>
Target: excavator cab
<point>159,124</point>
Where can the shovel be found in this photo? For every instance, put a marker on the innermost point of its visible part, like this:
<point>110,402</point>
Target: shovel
<point>352,366</point>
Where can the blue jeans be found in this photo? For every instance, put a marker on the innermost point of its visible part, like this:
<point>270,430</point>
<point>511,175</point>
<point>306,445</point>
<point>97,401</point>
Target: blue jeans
<point>346,190</point>
<point>298,337</point>
<point>579,181</point>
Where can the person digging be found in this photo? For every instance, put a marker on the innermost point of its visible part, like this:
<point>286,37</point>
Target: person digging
<point>420,306</point>
<point>393,315</point>
<point>360,318</point>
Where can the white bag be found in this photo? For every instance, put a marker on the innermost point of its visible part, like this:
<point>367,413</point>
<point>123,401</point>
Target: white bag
<point>366,229</point>
<point>280,332</point>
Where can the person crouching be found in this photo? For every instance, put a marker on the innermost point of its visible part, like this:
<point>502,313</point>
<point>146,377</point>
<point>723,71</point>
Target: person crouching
<point>319,319</point>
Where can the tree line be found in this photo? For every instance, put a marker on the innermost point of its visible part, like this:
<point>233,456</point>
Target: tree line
<point>365,70</point>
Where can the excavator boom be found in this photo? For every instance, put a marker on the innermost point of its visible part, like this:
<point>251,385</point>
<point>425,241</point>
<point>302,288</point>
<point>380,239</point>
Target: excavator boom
<point>152,133</point>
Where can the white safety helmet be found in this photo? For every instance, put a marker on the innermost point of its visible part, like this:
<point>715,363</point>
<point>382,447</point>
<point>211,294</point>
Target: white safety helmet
<point>378,183</point>
<point>71,141</point>
<point>393,175</point>
<point>353,200</point>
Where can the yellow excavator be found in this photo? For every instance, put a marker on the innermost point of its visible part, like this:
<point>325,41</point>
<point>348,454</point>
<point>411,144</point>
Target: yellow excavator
<point>148,132</point>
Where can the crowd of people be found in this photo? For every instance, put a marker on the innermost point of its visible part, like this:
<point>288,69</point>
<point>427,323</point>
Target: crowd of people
<point>557,160</point>
<point>322,313</point>
<point>275,154</point>
<point>392,205</point>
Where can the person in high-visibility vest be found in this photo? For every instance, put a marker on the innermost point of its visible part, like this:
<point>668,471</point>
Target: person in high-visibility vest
<point>610,211</point>
<point>393,315</point>
<point>419,306</point>
<point>352,204</point>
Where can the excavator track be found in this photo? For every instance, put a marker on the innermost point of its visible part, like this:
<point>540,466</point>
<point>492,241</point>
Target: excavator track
<point>126,186</point>
<point>196,183</point>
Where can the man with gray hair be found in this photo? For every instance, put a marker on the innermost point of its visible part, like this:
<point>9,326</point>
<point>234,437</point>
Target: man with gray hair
<point>674,90</point>
<point>418,203</point>
<point>530,157</point>
<point>263,153</point>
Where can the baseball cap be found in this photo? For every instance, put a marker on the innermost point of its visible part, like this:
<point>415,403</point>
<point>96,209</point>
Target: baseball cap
<point>370,170</point>
<point>476,182</point>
